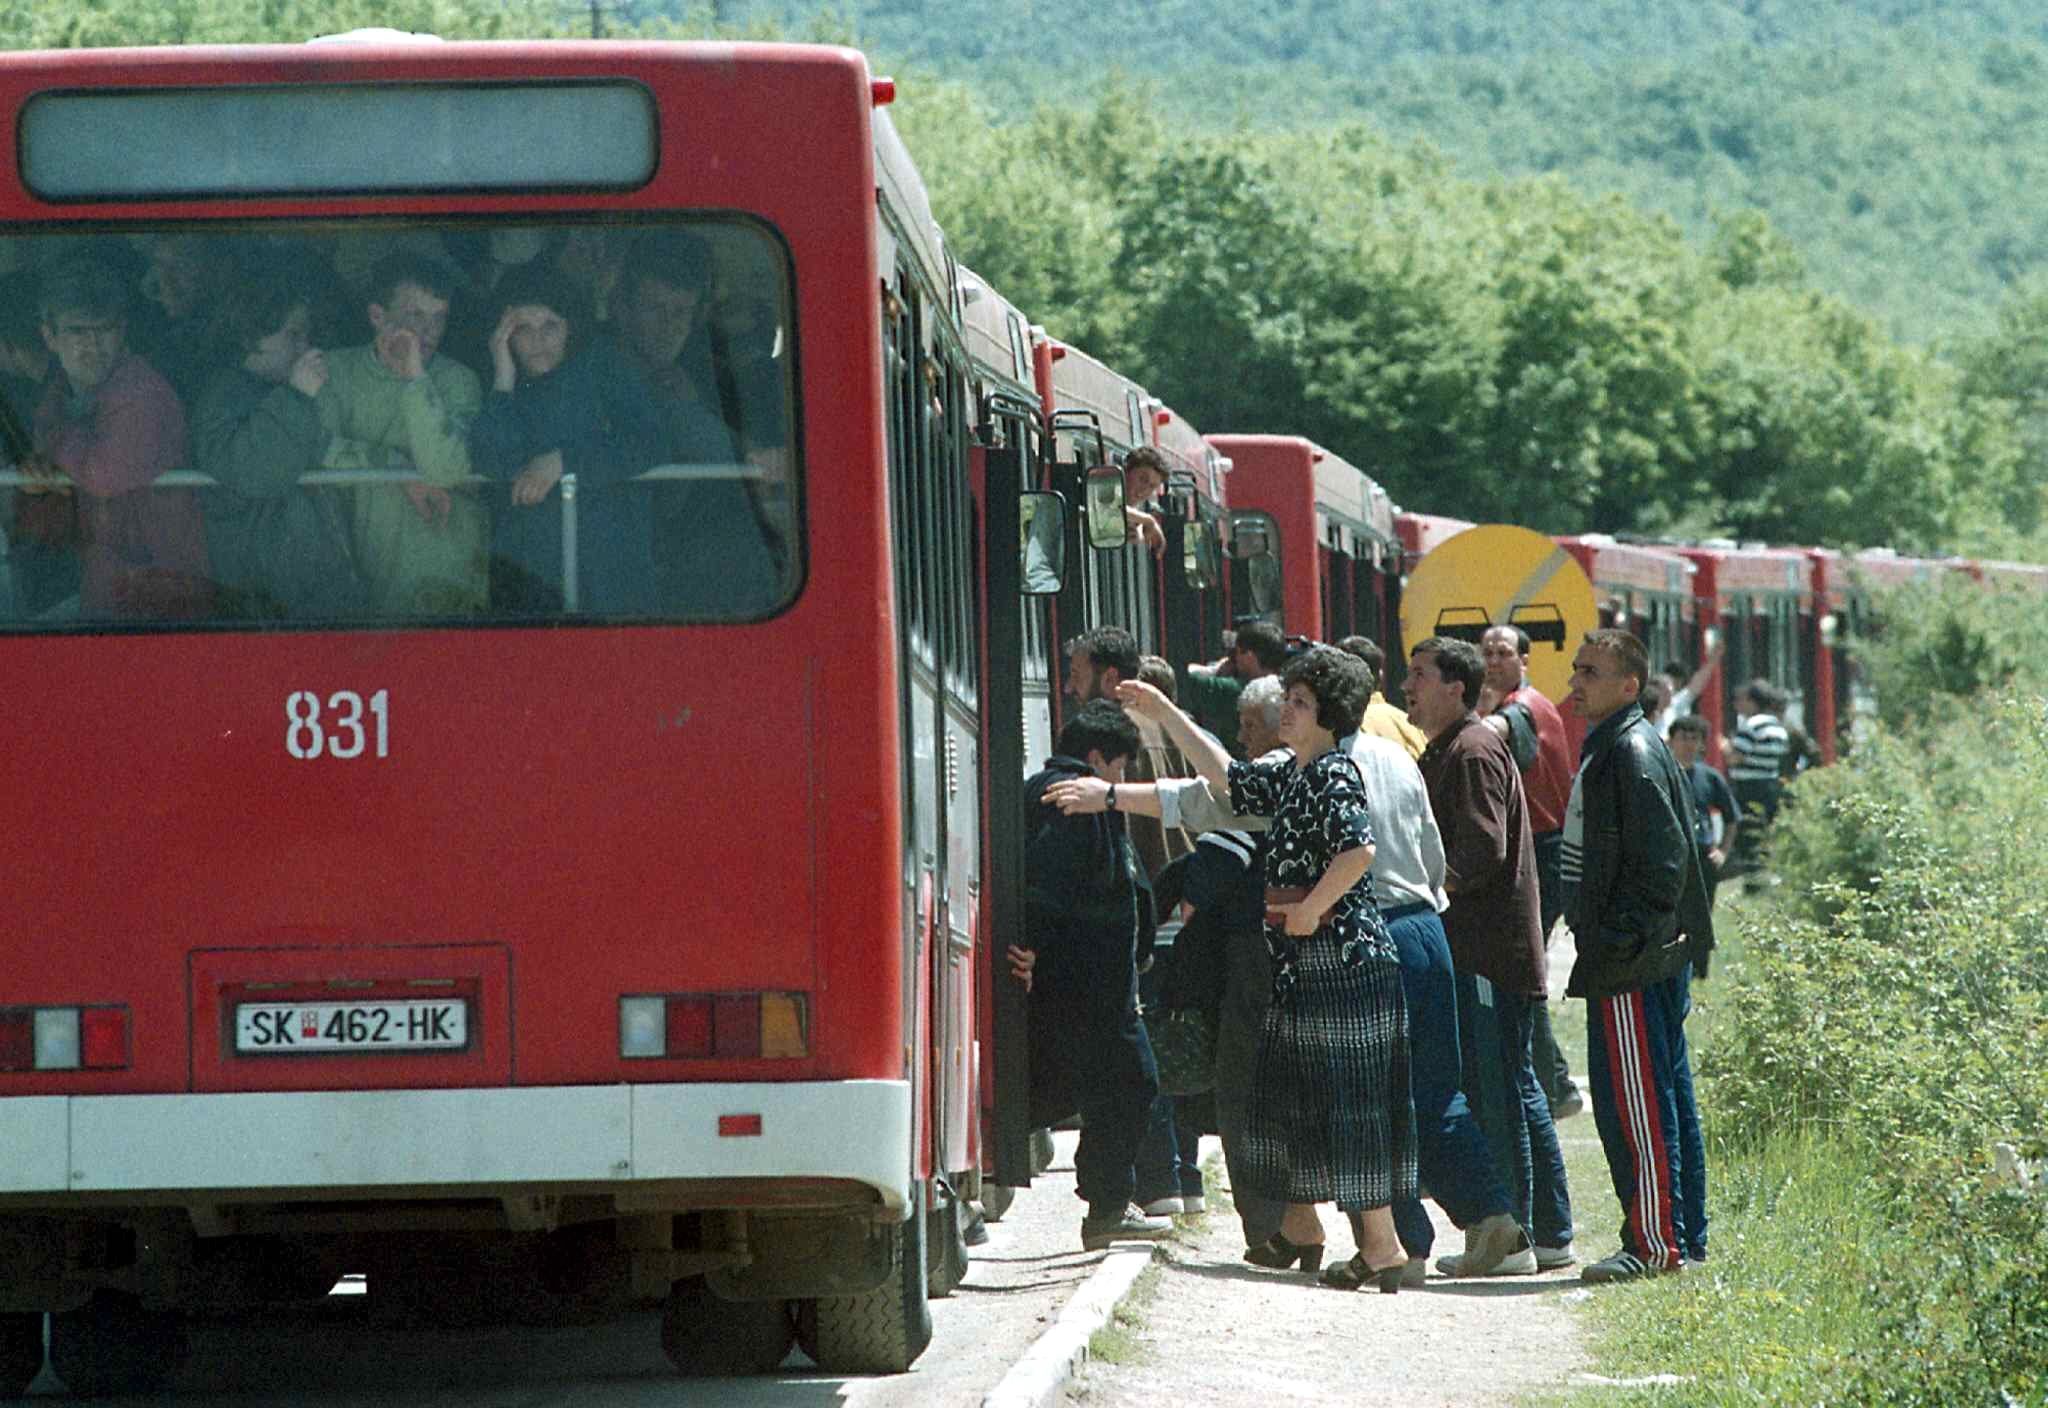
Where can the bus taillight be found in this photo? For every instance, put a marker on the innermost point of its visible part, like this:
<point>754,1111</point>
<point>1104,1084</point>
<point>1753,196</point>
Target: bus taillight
<point>728,1026</point>
<point>63,1038</point>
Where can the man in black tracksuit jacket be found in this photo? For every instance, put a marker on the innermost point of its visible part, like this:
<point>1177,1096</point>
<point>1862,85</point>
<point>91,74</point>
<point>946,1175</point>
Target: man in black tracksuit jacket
<point>1636,899</point>
<point>1087,905</point>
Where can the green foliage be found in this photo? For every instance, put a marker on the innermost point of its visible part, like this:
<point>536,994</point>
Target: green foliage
<point>1897,143</point>
<point>1492,349</point>
<point>1893,1003</point>
<point>79,24</point>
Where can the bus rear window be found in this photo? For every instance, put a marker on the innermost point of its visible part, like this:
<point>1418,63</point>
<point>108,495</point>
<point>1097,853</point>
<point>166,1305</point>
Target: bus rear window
<point>340,139</point>
<point>350,424</point>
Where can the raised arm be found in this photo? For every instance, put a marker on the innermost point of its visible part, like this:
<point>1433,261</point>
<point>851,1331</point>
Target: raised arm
<point>1203,753</point>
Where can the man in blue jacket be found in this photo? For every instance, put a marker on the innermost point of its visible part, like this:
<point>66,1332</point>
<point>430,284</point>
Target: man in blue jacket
<point>1636,899</point>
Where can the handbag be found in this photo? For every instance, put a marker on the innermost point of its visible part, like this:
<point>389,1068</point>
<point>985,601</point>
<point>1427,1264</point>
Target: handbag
<point>1184,1048</point>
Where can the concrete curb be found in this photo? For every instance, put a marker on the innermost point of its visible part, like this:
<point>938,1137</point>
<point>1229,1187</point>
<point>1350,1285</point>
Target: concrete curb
<point>1035,1381</point>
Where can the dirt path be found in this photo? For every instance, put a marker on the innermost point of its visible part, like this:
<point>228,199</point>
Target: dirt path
<point>1211,1329</point>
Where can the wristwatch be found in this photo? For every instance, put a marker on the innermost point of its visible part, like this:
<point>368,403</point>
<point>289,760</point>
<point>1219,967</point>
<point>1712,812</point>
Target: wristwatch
<point>1109,799</point>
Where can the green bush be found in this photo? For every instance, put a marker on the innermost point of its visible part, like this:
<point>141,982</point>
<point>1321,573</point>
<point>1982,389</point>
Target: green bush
<point>1892,1000</point>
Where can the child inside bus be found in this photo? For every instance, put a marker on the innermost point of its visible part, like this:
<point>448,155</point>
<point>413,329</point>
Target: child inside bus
<point>110,423</point>
<point>565,400</point>
<point>279,548</point>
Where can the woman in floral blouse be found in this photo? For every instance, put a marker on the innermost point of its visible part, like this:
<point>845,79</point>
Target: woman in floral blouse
<point>1330,1114</point>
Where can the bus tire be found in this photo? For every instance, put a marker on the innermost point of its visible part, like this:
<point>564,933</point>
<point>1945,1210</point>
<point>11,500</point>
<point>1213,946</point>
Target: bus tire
<point>21,1351</point>
<point>946,1245</point>
<point>882,1331</point>
<point>705,1336</point>
<point>111,1345</point>
<point>995,1200</point>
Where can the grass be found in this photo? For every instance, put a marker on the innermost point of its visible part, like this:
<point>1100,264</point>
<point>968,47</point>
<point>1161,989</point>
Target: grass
<point>1794,1237</point>
<point>1119,1342</point>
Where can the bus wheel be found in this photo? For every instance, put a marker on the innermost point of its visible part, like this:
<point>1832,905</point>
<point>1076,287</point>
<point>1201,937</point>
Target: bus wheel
<point>880,1331</point>
<point>112,1345</point>
<point>704,1336</point>
<point>995,1200</point>
<point>946,1245</point>
<point>21,1351</point>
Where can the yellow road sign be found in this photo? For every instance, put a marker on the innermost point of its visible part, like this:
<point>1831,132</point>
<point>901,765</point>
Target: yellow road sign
<point>1498,574</point>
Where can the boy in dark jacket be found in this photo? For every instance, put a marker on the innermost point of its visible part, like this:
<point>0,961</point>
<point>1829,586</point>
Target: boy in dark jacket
<point>1085,900</point>
<point>1636,899</point>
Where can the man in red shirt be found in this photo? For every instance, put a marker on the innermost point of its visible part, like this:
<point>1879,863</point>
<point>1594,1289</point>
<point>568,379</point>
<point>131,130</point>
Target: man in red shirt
<point>1547,782</point>
<point>107,428</point>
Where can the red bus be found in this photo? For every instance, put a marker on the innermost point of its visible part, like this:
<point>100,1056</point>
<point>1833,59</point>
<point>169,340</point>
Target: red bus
<point>1315,544</point>
<point>1194,583</point>
<point>1761,600</point>
<point>615,919</point>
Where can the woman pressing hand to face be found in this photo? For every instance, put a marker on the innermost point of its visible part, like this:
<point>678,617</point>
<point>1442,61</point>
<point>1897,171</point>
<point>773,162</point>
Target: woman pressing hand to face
<point>564,400</point>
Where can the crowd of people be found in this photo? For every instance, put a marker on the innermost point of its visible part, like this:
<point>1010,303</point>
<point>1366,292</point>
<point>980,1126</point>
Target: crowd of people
<point>1365,897</point>
<point>388,425</point>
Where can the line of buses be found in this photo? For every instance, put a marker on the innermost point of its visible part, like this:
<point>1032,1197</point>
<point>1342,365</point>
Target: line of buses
<point>645,958</point>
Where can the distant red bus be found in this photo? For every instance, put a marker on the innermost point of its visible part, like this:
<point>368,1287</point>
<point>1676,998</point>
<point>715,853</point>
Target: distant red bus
<point>612,914</point>
<point>1314,543</point>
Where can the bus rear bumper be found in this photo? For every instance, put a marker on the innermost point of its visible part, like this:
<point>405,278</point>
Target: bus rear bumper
<point>619,1139</point>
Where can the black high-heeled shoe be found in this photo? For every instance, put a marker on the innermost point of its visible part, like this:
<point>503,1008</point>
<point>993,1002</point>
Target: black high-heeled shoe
<point>1278,1254</point>
<point>1353,1274</point>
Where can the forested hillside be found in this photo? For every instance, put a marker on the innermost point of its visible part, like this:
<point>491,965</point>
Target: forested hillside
<point>1902,145</point>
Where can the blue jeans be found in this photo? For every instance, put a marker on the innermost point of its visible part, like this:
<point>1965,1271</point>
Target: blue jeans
<point>1451,1152</point>
<point>1692,1149</point>
<point>1517,1114</point>
<point>1635,1050</point>
<point>1551,1068</point>
<point>1169,1157</point>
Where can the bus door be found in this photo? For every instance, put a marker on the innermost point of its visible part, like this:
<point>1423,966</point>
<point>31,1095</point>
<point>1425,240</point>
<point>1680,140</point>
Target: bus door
<point>1021,549</point>
<point>927,470</point>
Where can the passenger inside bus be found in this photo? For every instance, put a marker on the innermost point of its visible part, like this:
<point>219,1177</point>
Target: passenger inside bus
<point>565,398</point>
<point>280,549</point>
<point>687,382</point>
<point>709,546</point>
<point>395,404</point>
<point>107,427</point>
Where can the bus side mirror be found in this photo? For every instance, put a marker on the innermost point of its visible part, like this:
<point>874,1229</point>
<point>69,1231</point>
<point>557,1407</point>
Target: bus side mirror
<point>1042,532</point>
<point>1106,525</point>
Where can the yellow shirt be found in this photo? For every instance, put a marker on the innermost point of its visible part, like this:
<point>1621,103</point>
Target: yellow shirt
<point>1385,720</point>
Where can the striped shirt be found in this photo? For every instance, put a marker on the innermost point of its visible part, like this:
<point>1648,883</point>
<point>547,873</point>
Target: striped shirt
<point>1761,744</point>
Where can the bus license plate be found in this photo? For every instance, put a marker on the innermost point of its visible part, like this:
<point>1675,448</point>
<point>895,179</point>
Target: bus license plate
<point>266,1028</point>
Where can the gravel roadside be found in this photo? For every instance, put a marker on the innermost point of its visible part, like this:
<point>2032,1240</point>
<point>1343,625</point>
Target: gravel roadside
<point>1218,1331</point>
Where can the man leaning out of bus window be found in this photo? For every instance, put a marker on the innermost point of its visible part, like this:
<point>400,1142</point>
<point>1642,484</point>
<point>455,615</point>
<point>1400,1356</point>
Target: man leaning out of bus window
<point>1084,904</point>
<point>1144,477</point>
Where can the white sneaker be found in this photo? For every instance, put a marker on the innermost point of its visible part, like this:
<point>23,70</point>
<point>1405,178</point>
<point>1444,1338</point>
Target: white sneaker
<point>1194,1203</point>
<point>1133,1225</point>
<point>1555,1258</point>
<point>1521,1263</point>
<point>1165,1207</point>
